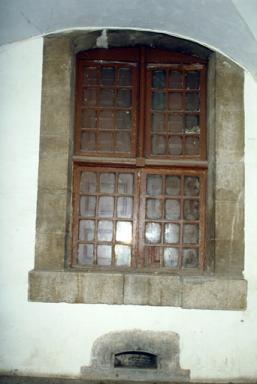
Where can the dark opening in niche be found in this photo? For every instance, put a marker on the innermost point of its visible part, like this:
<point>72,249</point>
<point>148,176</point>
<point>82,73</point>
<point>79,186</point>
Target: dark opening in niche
<point>135,359</point>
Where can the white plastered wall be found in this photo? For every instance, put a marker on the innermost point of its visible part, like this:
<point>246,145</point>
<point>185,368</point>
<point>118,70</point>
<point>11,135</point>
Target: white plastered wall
<point>56,339</point>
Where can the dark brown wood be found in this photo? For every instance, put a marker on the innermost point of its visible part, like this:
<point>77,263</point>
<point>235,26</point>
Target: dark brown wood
<point>140,161</point>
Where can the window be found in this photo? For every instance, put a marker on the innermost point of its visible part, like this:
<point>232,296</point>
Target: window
<point>139,165</point>
<point>218,284</point>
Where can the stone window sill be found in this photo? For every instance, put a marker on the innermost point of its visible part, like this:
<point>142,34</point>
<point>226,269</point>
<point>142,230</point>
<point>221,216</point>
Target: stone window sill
<point>189,292</point>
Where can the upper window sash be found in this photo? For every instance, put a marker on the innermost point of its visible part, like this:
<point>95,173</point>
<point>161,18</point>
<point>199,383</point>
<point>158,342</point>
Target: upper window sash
<point>140,102</point>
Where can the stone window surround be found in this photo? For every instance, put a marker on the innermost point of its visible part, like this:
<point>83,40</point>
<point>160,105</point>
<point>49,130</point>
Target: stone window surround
<point>221,286</point>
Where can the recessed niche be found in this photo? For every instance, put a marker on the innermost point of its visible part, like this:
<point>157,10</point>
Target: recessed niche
<point>135,359</point>
<point>136,356</point>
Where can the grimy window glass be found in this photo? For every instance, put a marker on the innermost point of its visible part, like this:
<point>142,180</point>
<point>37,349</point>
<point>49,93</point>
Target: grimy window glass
<point>140,160</point>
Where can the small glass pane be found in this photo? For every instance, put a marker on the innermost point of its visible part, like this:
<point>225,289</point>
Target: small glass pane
<point>191,234</point>
<point>106,120</point>
<point>126,183</point>
<point>191,186</point>
<point>123,98</point>
<point>123,120</point>
<point>88,182</point>
<point>190,258</point>
<point>158,122</point>
<point>104,230</point>
<point>159,144</point>
<point>107,97</point>
<point>176,123</point>
<point>107,75</point>
<point>172,209</point>
<point>192,80</point>
<point>87,205</point>
<point>159,79</point>
<point>154,185</point>
<point>175,145</point>
<point>124,232</point>
<point>104,255</point>
<point>153,233</point>
<point>171,257</point>
<point>90,96</point>
<point>125,76</point>
<point>153,209</point>
<point>87,142</point>
<point>192,146</point>
<point>123,255</point>
<point>123,142</point>
<point>192,124</point>
<point>175,101</point>
<point>106,205</point>
<point>173,185</point>
<point>191,209</point>
<point>90,76</point>
<point>171,234</point>
<point>88,119</point>
<point>192,101</point>
<point>176,80</point>
<point>125,207</point>
<point>105,141</point>
<point>158,100</point>
<point>86,230</point>
<point>85,254</point>
<point>107,182</point>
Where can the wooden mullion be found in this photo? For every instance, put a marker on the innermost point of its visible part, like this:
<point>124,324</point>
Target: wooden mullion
<point>184,112</point>
<point>202,221</point>
<point>75,221</point>
<point>143,121</point>
<point>78,94</point>
<point>181,224</point>
<point>202,116</point>
<point>163,199</point>
<point>134,110</point>
<point>114,218</point>
<point>141,217</point>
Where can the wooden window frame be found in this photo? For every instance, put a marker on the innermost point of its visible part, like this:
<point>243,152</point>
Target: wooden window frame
<point>142,61</point>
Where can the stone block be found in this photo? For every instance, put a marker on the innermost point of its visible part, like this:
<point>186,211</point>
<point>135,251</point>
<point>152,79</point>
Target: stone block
<point>152,290</point>
<point>75,287</point>
<point>53,287</point>
<point>208,293</point>
<point>57,88</point>
<point>229,81</point>
<point>53,162</point>
<point>229,221</point>
<point>57,47</point>
<point>101,288</point>
<point>56,113</point>
<point>229,106</point>
<point>229,130</point>
<point>229,180</point>
<point>50,251</point>
<point>57,76</point>
<point>51,211</point>
<point>229,256</point>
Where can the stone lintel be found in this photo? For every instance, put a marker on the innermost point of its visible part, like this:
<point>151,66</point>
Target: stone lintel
<point>198,292</point>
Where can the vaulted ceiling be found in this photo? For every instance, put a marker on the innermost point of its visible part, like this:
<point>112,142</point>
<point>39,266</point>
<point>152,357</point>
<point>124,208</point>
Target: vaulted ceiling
<point>229,26</point>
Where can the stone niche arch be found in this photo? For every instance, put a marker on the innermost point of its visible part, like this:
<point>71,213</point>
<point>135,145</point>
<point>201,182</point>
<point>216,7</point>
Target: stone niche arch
<point>221,285</point>
<point>163,345</point>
